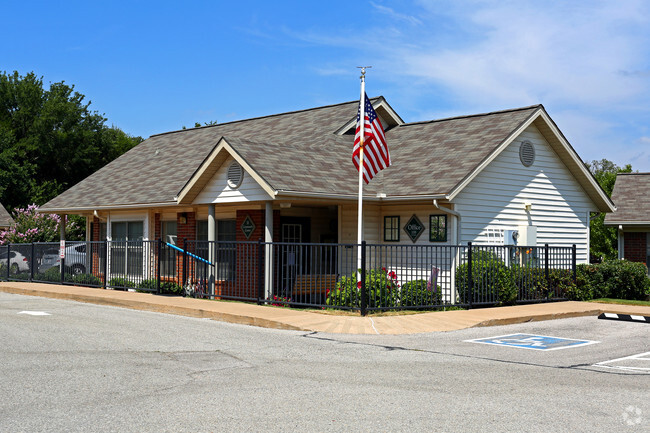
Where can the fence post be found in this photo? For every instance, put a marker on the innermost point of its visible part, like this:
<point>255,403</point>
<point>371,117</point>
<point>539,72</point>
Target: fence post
<point>106,253</point>
<point>364,291</point>
<point>159,258</point>
<point>470,280</point>
<point>184,263</point>
<point>546,268</point>
<point>63,267</point>
<point>8,259</point>
<point>574,261</point>
<point>31,264</point>
<point>260,271</point>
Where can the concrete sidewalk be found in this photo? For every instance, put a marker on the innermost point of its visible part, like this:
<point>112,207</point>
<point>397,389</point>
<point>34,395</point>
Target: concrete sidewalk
<point>288,318</point>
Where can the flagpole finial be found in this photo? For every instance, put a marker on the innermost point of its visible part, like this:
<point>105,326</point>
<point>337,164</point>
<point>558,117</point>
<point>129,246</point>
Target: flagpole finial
<point>363,71</point>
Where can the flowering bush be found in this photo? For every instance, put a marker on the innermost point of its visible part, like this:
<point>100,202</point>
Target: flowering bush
<point>280,301</point>
<point>31,226</point>
<point>382,288</point>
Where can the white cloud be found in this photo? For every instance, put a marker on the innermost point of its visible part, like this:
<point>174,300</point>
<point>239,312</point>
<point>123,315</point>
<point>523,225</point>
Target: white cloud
<point>525,52</point>
<point>396,15</point>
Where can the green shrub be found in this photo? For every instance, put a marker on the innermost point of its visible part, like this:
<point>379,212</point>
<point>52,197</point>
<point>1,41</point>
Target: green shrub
<point>531,282</point>
<point>87,280</point>
<point>623,279</point>
<point>53,275</point>
<point>166,287</point>
<point>121,283</point>
<point>620,279</point>
<point>492,281</point>
<point>415,293</point>
<point>21,276</point>
<point>346,293</point>
<point>381,286</point>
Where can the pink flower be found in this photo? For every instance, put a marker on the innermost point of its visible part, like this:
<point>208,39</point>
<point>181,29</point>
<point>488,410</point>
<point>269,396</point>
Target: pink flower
<point>392,275</point>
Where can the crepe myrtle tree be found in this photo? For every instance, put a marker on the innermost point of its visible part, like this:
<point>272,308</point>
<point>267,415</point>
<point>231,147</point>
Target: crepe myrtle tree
<point>31,226</point>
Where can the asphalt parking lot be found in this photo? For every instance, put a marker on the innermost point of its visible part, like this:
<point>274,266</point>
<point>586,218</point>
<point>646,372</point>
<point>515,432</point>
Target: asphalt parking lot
<point>68,366</point>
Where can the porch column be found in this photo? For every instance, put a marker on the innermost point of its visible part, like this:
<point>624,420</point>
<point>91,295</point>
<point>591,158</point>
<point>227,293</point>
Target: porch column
<point>212,238</point>
<point>268,256</point>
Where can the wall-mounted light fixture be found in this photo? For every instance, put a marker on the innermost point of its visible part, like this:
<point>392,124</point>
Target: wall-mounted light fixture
<point>528,206</point>
<point>183,218</point>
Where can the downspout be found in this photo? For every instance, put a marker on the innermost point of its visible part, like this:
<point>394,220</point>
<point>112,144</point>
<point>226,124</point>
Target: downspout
<point>454,213</point>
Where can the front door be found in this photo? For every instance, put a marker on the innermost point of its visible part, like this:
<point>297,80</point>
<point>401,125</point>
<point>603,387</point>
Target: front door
<point>291,257</point>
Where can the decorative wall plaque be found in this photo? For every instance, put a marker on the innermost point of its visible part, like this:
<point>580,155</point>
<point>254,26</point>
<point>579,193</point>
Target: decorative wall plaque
<point>248,227</point>
<point>414,228</point>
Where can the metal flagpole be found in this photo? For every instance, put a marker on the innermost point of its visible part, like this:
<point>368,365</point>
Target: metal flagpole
<point>362,120</point>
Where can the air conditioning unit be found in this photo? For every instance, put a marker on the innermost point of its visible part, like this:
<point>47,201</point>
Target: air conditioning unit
<point>527,236</point>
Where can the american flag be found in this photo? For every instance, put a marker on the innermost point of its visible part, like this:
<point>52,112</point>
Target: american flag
<point>375,151</point>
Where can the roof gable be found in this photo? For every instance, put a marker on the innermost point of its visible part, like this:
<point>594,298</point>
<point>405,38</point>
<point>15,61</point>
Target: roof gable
<point>222,152</point>
<point>388,117</point>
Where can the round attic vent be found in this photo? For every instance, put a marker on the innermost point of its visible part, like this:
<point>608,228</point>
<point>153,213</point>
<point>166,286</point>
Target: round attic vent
<point>235,175</point>
<point>527,153</point>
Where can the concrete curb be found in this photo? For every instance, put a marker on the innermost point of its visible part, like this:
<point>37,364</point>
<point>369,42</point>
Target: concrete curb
<point>299,320</point>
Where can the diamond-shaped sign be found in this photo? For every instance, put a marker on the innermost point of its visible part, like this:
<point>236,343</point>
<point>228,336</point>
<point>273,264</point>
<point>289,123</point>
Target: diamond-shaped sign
<point>248,226</point>
<point>414,228</point>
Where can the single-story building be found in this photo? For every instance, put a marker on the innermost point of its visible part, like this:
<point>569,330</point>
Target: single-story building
<point>289,178</point>
<point>6,220</point>
<point>632,216</point>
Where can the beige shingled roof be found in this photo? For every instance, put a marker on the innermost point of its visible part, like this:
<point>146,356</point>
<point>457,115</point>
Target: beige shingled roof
<point>631,195</point>
<point>5,219</point>
<point>299,152</point>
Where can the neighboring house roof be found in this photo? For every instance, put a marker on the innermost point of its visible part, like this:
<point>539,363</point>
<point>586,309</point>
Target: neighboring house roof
<point>631,195</point>
<point>5,219</point>
<point>310,152</point>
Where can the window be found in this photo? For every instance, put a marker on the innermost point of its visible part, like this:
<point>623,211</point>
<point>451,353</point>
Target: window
<point>127,248</point>
<point>391,228</point>
<point>226,249</point>
<point>168,255</point>
<point>169,229</point>
<point>437,228</point>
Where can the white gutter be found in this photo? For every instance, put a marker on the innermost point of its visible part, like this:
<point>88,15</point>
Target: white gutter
<point>454,213</point>
<point>287,194</point>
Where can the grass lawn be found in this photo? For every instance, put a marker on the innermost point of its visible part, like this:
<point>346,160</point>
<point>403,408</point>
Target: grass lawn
<point>621,302</point>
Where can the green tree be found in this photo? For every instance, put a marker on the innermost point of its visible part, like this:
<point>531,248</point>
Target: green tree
<point>50,139</point>
<point>604,240</point>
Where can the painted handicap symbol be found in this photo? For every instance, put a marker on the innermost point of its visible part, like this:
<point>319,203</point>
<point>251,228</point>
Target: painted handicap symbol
<point>535,342</point>
<point>530,341</point>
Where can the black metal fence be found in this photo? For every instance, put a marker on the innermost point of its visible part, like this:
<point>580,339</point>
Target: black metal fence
<point>366,277</point>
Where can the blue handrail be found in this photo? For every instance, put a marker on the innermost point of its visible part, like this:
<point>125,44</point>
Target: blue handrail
<point>189,254</point>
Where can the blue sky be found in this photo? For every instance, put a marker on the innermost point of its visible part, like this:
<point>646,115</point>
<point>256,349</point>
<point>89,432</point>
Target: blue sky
<point>152,67</point>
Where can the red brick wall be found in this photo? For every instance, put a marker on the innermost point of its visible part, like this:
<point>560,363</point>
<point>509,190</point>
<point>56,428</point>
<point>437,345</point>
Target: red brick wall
<point>635,246</point>
<point>184,231</point>
<point>157,227</point>
<point>94,236</point>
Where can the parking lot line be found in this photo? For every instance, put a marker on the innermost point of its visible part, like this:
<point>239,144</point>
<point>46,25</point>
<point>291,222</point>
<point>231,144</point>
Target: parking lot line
<point>628,362</point>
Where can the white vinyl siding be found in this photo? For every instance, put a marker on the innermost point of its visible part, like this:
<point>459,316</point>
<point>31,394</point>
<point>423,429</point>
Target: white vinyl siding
<point>372,224</point>
<point>217,189</point>
<point>495,199</point>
